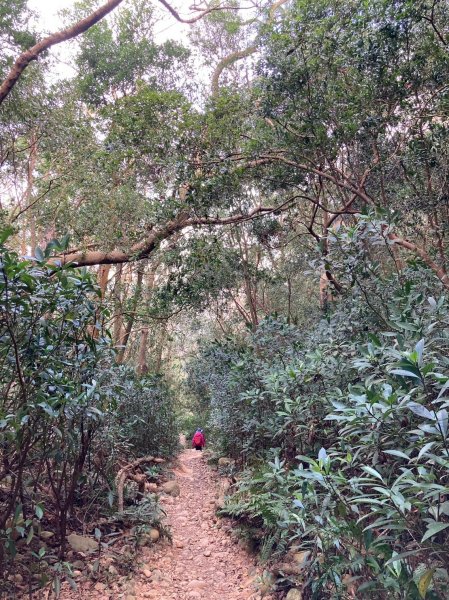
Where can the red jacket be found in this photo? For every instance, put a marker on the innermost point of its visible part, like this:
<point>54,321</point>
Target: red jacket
<point>199,438</point>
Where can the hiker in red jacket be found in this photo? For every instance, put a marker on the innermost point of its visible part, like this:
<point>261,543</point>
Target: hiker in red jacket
<point>198,440</point>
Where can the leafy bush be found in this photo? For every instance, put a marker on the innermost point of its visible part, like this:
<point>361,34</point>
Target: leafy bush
<point>50,406</point>
<point>144,418</point>
<point>344,436</point>
<point>68,415</point>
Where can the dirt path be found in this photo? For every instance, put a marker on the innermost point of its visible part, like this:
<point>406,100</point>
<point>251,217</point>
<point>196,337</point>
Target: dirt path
<point>204,561</point>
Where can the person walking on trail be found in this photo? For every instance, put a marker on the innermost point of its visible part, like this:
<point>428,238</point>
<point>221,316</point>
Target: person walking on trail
<point>198,440</point>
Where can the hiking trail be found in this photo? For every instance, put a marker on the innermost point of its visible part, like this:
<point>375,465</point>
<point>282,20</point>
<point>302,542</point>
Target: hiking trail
<point>203,561</point>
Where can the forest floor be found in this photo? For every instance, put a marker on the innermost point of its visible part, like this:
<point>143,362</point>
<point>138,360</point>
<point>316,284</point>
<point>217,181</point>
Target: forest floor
<point>204,561</point>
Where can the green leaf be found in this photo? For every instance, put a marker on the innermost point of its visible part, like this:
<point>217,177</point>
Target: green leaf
<point>39,511</point>
<point>6,233</point>
<point>433,529</point>
<point>397,453</point>
<point>405,373</point>
<point>419,348</point>
<point>443,389</point>
<point>425,449</point>
<point>373,472</point>
<point>420,410</point>
<point>402,555</point>
<point>442,418</point>
<point>322,455</point>
<point>30,535</point>
<point>39,255</point>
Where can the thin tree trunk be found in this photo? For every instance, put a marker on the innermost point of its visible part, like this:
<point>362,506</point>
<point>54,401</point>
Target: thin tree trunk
<point>118,318</point>
<point>142,363</point>
<point>102,278</point>
<point>142,360</point>
<point>132,316</point>
<point>160,347</point>
<point>325,295</point>
<point>30,215</point>
<point>250,299</point>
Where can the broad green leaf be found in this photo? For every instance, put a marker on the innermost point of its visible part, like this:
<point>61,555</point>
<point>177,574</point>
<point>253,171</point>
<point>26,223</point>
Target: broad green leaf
<point>401,556</point>
<point>6,233</point>
<point>442,419</point>
<point>425,449</point>
<point>373,472</point>
<point>397,453</point>
<point>419,348</point>
<point>39,255</point>
<point>322,455</point>
<point>405,373</point>
<point>420,410</point>
<point>433,529</point>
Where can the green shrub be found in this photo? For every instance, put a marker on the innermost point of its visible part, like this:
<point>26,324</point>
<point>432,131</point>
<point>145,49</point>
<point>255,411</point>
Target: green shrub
<point>51,405</point>
<point>344,437</point>
<point>144,416</point>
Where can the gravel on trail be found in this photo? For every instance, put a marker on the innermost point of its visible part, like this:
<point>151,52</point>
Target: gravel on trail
<point>203,563</point>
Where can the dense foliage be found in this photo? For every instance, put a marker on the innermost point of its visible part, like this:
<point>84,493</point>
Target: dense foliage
<point>263,254</point>
<point>343,439</point>
<point>144,418</point>
<point>68,417</point>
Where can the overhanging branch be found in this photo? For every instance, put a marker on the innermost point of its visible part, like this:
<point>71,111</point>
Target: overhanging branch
<point>144,248</point>
<point>33,53</point>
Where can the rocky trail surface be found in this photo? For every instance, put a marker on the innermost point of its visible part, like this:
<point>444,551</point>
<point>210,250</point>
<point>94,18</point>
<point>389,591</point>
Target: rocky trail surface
<point>203,561</point>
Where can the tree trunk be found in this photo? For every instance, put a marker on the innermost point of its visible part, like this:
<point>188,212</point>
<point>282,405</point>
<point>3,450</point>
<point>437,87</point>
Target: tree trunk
<point>118,317</point>
<point>102,278</point>
<point>142,364</point>
<point>30,215</point>
<point>132,316</point>
<point>160,347</point>
<point>142,360</point>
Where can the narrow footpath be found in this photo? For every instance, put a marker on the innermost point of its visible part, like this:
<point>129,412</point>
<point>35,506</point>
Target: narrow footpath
<point>203,562</point>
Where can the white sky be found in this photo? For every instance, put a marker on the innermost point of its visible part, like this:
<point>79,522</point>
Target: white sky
<point>168,27</point>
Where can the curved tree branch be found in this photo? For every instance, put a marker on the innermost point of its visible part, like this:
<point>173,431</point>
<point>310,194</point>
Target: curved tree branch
<point>229,60</point>
<point>75,30</point>
<point>439,271</point>
<point>33,53</point>
<point>202,14</point>
<point>144,248</point>
<point>226,62</point>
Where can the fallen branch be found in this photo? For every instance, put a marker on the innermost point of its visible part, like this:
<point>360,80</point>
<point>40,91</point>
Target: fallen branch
<point>126,472</point>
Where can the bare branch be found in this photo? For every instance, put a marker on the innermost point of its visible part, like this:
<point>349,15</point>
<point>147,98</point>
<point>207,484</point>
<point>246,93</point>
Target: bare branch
<point>229,60</point>
<point>439,271</point>
<point>226,62</point>
<point>199,16</point>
